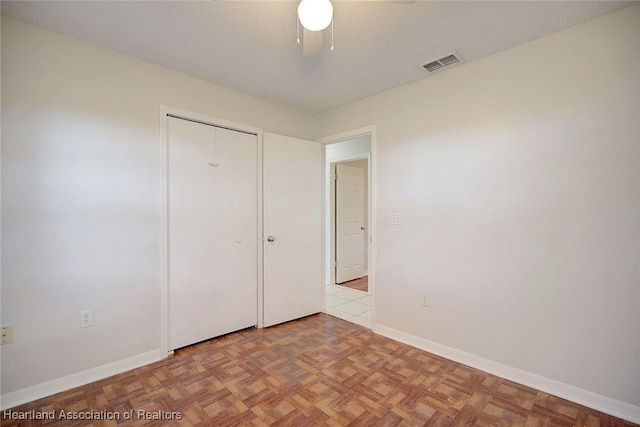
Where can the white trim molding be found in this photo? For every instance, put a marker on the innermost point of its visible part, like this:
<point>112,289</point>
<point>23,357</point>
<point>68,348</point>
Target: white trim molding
<point>29,394</point>
<point>352,134</point>
<point>610,406</point>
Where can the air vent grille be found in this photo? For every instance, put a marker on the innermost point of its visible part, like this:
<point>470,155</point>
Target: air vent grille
<point>448,60</point>
<point>433,66</point>
<point>445,61</point>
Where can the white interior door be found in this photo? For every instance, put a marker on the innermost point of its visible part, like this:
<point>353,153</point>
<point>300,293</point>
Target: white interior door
<point>350,214</point>
<point>212,212</point>
<point>292,190</point>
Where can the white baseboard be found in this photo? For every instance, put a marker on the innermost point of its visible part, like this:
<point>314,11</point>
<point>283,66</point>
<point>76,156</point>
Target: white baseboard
<point>610,406</point>
<point>29,394</point>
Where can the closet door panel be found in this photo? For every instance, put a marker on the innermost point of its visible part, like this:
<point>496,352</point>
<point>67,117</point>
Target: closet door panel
<point>191,233</point>
<point>236,235</point>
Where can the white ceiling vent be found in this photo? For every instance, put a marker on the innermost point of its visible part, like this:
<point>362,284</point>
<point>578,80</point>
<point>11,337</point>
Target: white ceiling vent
<point>445,61</point>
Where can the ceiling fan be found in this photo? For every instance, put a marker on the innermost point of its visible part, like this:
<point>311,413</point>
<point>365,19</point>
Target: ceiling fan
<point>315,16</point>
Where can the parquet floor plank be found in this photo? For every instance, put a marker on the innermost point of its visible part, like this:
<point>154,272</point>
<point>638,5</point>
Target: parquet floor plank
<point>361,284</point>
<point>316,371</point>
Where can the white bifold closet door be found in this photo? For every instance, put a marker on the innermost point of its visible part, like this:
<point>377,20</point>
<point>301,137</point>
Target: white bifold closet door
<point>212,235</point>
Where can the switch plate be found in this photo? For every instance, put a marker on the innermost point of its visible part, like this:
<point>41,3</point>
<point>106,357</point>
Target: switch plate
<point>7,334</point>
<point>396,218</point>
<point>86,318</point>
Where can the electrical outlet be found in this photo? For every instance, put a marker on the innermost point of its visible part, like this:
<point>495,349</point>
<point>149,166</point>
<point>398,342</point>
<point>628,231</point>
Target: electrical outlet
<point>425,299</point>
<point>86,318</point>
<point>396,218</point>
<point>7,334</point>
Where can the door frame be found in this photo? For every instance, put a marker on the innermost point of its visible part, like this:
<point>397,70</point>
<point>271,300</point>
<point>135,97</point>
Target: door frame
<point>326,170</point>
<point>163,231</point>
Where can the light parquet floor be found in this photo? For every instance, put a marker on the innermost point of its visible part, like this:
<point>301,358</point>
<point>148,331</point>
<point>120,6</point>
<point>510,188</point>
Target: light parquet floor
<point>314,371</point>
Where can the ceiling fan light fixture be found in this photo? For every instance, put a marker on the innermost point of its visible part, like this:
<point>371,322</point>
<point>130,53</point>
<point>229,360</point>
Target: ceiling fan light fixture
<point>315,15</point>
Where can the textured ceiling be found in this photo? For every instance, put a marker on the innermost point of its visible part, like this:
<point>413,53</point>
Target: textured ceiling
<point>251,46</point>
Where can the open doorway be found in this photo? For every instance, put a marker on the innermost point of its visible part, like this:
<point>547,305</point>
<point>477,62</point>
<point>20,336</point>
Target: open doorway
<point>348,290</point>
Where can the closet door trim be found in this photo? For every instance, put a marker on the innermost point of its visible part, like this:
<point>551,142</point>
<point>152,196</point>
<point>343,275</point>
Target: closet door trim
<point>165,113</point>
<point>235,129</point>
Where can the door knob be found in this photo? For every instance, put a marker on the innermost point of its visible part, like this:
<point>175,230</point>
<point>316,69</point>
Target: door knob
<point>271,239</point>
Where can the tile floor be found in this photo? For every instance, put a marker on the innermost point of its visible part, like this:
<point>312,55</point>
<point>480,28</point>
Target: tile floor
<point>348,304</point>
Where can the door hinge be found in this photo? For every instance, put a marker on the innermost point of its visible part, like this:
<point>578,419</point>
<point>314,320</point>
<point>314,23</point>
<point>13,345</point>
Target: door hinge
<point>335,263</point>
<point>335,177</point>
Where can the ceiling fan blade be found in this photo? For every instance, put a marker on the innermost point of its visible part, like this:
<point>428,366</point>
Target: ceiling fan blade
<point>312,42</point>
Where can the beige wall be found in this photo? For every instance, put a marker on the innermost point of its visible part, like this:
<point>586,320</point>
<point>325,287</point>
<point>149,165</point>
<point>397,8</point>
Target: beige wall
<point>518,179</point>
<point>81,197</point>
